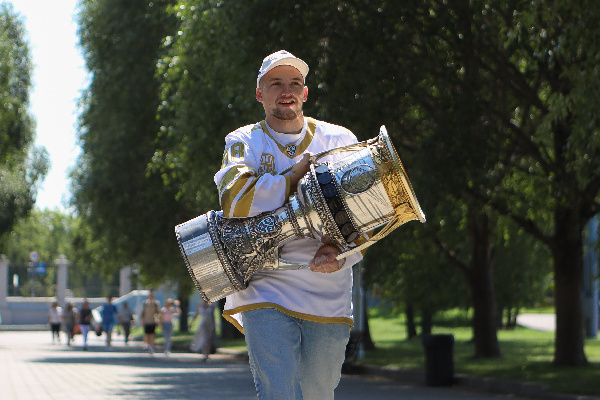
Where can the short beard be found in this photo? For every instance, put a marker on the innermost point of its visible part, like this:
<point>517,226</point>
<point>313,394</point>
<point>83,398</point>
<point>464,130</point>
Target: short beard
<point>287,115</point>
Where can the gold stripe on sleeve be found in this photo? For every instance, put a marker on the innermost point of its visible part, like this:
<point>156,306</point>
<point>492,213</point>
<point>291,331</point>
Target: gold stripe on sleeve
<point>242,206</point>
<point>242,180</point>
<point>235,172</point>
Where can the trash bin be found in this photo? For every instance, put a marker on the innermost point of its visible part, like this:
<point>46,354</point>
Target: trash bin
<point>439,360</point>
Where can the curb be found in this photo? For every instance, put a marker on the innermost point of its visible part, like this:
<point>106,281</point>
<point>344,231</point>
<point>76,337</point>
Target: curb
<point>22,328</point>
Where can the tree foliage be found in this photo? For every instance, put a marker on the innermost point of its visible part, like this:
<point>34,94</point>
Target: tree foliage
<point>123,203</point>
<point>16,124</point>
<point>22,166</point>
<point>548,176</point>
<point>49,233</point>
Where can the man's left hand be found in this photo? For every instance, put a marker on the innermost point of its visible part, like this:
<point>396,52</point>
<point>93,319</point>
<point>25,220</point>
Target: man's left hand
<point>325,261</point>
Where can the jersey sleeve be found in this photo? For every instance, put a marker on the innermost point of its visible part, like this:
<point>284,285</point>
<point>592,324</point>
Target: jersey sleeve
<point>243,192</point>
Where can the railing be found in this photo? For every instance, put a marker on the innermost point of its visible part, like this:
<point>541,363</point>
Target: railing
<point>35,280</point>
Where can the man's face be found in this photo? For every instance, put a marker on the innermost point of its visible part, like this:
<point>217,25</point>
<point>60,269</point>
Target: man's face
<point>282,93</point>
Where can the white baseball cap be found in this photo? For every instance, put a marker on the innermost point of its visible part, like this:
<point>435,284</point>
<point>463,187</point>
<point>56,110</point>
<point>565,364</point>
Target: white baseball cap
<point>278,58</point>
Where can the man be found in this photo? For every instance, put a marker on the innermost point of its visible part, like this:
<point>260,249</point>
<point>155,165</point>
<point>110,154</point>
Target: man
<point>149,318</point>
<point>108,313</point>
<point>85,321</point>
<point>296,323</point>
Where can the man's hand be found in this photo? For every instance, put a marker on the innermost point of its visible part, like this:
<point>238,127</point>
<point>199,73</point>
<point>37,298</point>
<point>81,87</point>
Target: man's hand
<point>299,170</point>
<point>324,260</point>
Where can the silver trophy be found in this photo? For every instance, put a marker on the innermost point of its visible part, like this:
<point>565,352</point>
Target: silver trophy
<point>343,200</point>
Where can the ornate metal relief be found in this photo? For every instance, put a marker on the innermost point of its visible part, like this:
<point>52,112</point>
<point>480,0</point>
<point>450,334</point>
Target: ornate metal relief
<point>250,243</point>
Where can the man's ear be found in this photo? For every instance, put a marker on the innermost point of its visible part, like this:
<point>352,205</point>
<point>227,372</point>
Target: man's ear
<point>305,93</point>
<point>259,96</point>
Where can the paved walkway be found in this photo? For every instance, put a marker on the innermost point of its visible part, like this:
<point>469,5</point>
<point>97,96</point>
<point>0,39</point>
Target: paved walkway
<point>32,368</point>
<point>540,322</point>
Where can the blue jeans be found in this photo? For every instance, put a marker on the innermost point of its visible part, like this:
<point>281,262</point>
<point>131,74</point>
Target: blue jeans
<point>292,358</point>
<point>167,329</point>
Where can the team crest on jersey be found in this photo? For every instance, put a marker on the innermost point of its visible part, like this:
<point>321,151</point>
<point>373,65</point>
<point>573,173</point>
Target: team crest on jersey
<point>267,164</point>
<point>290,149</point>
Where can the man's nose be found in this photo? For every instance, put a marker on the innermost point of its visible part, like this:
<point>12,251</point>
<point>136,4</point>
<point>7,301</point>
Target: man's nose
<point>287,89</point>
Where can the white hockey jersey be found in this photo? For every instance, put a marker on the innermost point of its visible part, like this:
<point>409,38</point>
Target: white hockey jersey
<point>249,184</point>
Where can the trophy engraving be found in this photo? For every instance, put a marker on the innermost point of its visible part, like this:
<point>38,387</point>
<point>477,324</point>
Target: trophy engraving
<point>358,179</point>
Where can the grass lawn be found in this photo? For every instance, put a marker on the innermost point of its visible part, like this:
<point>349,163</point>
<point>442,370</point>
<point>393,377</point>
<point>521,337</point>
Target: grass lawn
<point>526,354</point>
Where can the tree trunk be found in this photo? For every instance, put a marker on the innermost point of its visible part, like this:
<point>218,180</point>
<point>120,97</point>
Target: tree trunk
<point>185,288</point>
<point>426,322</point>
<point>411,328</point>
<point>367,340</point>
<point>480,277</point>
<point>568,287</point>
<point>228,331</point>
<point>184,304</point>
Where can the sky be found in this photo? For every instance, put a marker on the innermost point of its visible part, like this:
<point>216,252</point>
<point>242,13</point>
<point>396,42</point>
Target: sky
<point>59,77</point>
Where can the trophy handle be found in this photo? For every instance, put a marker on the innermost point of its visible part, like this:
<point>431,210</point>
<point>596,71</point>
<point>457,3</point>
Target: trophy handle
<point>337,150</point>
<point>285,265</point>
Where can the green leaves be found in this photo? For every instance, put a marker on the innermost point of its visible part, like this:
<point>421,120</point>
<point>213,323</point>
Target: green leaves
<point>124,203</point>
<point>22,167</point>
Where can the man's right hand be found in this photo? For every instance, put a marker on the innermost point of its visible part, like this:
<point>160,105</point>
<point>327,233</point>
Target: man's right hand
<point>299,170</point>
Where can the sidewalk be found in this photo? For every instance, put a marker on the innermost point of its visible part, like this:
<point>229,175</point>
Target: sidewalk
<point>540,322</point>
<point>32,368</point>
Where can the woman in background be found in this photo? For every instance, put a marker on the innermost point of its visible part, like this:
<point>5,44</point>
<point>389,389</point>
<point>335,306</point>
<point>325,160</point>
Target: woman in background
<point>204,339</point>
<point>55,319</point>
<point>69,318</point>
<point>167,313</point>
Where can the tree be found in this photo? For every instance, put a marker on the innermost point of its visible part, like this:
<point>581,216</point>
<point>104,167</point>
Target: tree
<point>123,202</point>
<point>22,167</point>
<point>411,274</point>
<point>48,234</point>
<point>504,97</point>
<point>15,83</point>
<point>524,271</point>
<point>549,179</point>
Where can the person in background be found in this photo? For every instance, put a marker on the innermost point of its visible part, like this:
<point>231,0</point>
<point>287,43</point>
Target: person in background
<point>205,337</point>
<point>55,320</point>
<point>170,310</point>
<point>125,319</point>
<point>150,316</point>
<point>85,321</point>
<point>69,318</point>
<point>109,314</point>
